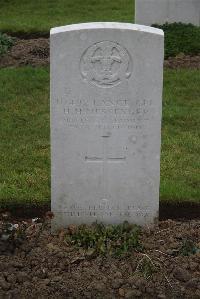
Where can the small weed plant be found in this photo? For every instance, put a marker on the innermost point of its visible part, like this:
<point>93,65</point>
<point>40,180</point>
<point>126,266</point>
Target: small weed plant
<point>11,235</point>
<point>114,240</point>
<point>6,42</point>
<point>146,267</point>
<point>188,248</point>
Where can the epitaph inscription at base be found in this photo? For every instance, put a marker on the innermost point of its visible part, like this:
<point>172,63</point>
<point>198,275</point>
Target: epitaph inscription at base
<point>106,91</point>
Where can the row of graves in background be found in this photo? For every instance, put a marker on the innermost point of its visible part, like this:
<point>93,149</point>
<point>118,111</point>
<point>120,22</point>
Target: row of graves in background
<point>106,103</point>
<point>148,12</point>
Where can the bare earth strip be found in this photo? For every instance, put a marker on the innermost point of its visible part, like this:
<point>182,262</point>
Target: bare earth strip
<point>45,265</point>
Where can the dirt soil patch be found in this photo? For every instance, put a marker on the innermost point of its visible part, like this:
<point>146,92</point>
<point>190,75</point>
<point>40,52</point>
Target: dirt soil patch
<point>183,61</point>
<point>35,52</point>
<point>43,265</point>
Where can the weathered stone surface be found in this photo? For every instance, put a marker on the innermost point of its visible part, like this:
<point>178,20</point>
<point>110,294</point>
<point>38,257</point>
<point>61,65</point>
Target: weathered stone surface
<point>148,12</point>
<point>106,95</point>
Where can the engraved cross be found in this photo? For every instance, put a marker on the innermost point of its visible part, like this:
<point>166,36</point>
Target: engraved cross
<point>105,159</point>
<point>106,59</point>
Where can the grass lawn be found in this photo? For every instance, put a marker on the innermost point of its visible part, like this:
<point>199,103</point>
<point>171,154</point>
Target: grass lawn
<point>180,159</point>
<point>25,145</point>
<point>41,15</point>
<point>24,127</point>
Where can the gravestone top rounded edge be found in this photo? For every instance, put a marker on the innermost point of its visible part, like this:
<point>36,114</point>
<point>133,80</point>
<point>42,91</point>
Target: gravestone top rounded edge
<point>106,25</point>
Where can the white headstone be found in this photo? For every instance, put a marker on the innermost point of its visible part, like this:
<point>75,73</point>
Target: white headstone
<point>106,97</point>
<point>148,12</point>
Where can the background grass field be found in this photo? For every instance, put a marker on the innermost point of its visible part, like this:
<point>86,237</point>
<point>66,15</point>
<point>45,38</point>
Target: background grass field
<point>25,144</point>
<point>24,109</point>
<point>41,15</point>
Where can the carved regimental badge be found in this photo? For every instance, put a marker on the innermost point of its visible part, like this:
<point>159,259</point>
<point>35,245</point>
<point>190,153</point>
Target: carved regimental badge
<point>106,64</point>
